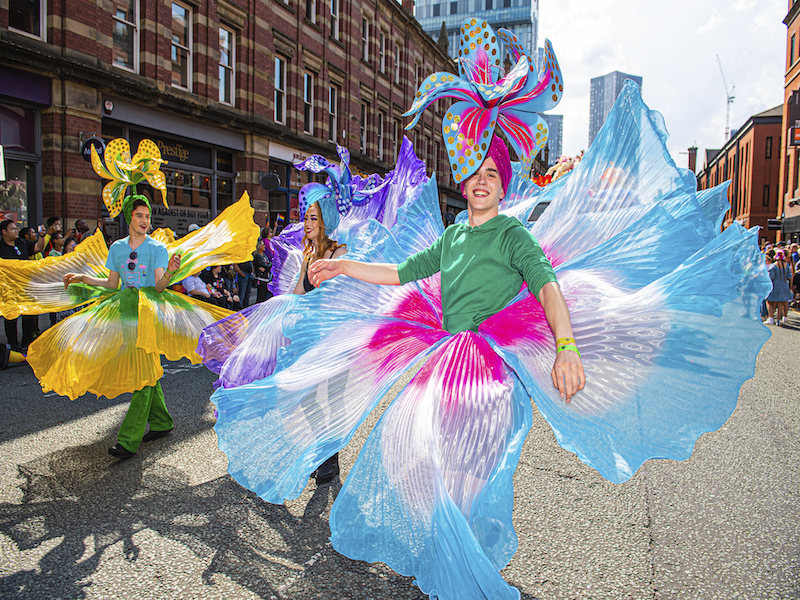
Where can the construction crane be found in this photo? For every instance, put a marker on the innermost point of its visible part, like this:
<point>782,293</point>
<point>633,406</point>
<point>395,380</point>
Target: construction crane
<point>730,97</point>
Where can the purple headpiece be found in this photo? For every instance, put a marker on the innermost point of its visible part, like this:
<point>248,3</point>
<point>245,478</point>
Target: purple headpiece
<point>488,98</point>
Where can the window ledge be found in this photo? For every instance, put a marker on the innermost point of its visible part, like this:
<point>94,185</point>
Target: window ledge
<point>339,43</point>
<point>312,24</point>
<point>285,5</point>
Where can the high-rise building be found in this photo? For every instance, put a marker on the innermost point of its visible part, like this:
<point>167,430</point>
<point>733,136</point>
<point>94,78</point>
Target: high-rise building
<point>518,16</point>
<point>604,92</point>
<point>555,126</point>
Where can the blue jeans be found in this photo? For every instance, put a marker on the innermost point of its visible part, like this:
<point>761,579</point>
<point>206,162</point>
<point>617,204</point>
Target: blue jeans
<point>245,283</point>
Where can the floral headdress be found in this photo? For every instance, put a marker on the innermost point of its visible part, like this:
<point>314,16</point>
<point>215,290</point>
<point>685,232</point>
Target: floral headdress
<point>124,172</point>
<point>338,194</point>
<point>488,98</point>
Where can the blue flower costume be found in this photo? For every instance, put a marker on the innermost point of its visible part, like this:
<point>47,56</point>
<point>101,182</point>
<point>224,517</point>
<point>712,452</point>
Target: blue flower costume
<point>663,308</point>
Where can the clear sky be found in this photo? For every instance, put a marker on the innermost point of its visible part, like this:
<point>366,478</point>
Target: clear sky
<point>673,46</point>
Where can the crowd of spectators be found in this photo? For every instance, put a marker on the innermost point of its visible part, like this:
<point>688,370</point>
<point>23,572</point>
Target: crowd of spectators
<point>783,261</point>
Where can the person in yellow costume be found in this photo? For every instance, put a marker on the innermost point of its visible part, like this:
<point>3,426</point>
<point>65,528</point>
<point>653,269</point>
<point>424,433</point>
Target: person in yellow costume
<point>130,317</point>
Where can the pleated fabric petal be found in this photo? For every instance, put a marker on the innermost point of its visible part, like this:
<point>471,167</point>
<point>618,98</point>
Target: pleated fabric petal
<point>114,346</point>
<point>95,351</point>
<point>276,431</point>
<point>243,347</point>
<point>230,238</point>
<point>33,287</point>
<point>663,364</point>
<point>169,323</point>
<point>431,494</point>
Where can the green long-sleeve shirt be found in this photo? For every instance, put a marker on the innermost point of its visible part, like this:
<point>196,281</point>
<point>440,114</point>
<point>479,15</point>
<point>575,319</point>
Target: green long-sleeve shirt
<point>482,269</point>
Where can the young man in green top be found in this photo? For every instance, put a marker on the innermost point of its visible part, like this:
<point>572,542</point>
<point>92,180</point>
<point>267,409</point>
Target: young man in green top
<point>483,264</point>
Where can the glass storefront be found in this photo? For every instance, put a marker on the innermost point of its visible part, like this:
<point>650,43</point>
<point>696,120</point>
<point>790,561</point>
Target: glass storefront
<point>200,179</point>
<point>283,202</point>
<point>19,198</point>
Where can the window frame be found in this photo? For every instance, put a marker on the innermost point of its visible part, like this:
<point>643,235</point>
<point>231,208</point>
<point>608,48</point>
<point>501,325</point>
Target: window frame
<point>365,38</point>
<point>397,62</point>
<point>230,67</point>
<point>188,48</point>
<point>311,7</point>
<point>135,35</point>
<point>42,35</point>
<point>381,125</point>
<point>308,102</point>
<point>768,147</point>
<point>335,19</point>
<point>382,51</point>
<point>364,117</point>
<point>279,91</point>
<point>333,113</point>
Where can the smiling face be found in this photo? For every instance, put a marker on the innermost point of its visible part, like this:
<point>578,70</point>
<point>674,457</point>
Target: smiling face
<point>484,189</point>
<point>311,223</point>
<point>140,220</point>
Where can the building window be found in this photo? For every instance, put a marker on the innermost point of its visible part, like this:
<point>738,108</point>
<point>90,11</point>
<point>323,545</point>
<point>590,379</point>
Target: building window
<point>396,138</point>
<point>416,75</point>
<point>506,3</point>
<point>454,8</point>
<point>766,195</point>
<point>397,63</point>
<point>280,90</point>
<point>364,115</point>
<point>437,158</point>
<point>382,50</point>
<point>126,37</point>
<point>311,10</point>
<point>27,16</point>
<point>364,39</point>
<point>381,119</point>
<point>333,101</point>
<point>335,19</point>
<point>768,153</point>
<point>308,103</point>
<point>227,58</point>
<point>489,5</point>
<point>437,10</point>
<point>791,51</point>
<point>181,46</point>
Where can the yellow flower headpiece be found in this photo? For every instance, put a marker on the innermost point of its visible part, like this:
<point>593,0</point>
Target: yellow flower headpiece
<point>124,172</point>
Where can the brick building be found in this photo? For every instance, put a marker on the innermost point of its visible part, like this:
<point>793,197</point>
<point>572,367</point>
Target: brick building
<point>789,198</point>
<point>229,89</point>
<point>750,160</point>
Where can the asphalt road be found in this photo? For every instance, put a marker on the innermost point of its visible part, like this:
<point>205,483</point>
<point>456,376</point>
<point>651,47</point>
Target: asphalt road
<point>171,524</point>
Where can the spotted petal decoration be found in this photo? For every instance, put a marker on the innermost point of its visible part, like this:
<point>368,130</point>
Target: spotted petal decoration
<point>124,172</point>
<point>487,98</point>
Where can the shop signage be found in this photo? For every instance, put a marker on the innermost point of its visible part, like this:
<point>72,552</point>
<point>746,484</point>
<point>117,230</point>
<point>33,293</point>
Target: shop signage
<point>86,148</point>
<point>176,152</point>
<point>179,218</point>
<point>286,153</point>
<point>794,136</point>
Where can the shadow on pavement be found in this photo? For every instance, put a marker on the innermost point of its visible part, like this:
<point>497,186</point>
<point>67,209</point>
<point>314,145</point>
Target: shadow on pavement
<point>82,503</point>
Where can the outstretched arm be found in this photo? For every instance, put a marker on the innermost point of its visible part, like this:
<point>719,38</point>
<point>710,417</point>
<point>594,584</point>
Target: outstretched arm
<point>378,273</point>
<point>567,373</point>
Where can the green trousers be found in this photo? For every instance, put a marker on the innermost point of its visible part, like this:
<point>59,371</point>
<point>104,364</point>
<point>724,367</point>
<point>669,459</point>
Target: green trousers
<point>147,406</point>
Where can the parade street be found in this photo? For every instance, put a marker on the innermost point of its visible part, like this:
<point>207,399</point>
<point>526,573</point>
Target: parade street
<point>170,522</point>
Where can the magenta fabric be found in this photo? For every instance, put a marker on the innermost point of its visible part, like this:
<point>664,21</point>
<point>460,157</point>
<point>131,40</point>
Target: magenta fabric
<point>498,151</point>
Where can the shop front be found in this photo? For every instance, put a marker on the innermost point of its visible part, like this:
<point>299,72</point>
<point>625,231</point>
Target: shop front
<point>22,96</point>
<point>200,179</point>
<point>200,176</point>
<point>283,201</point>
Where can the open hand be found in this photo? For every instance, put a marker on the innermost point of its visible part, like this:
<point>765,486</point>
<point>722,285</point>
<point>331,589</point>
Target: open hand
<point>567,374</point>
<point>324,269</point>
